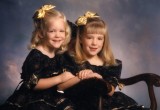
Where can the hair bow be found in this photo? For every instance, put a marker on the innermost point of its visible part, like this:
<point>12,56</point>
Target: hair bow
<point>82,20</point>
<point>41,11</point>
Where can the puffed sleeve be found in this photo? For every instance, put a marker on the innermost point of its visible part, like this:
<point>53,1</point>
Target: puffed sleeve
<point>67,63</point>
<point>112,73</point>
<point>32,69</point>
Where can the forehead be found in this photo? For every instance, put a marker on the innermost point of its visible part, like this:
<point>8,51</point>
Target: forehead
<point>56,22</point>
<point>55,19</point>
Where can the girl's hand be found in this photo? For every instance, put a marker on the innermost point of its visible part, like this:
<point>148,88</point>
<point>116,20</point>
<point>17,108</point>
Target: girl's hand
<point>83,74</point>
<point>95,75</point>
<point>66,76</point>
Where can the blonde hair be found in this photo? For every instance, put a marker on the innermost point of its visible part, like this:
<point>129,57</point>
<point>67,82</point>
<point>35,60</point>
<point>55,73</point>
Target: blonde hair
<point>94,26</point>
<point>40,26</point>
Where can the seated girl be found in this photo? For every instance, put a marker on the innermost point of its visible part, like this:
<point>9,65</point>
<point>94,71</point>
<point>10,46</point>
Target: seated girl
<point>96,71</point>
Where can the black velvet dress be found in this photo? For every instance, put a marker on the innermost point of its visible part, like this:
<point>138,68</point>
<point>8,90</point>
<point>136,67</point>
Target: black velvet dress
<point>85,94</point>
<point>35,67</point>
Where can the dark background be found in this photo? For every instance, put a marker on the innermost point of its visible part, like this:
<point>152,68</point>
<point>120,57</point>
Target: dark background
<point>134,29</point>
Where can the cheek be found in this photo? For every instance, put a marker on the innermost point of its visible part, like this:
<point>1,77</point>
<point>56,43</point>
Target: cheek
<point>86,42</point>
<point>102,43</point>
<point>48,35</point>
<point>63,36</point>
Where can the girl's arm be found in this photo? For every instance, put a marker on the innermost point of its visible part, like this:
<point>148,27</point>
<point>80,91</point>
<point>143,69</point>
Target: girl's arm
<point>45,83</point>
<point>83,74</point>
<point>112,91</point>
<point>71,82</point>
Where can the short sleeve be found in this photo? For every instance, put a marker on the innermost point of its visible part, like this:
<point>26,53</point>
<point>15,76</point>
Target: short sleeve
<point>31,69</point>
<point>68,63</point>
<point>113,73</point>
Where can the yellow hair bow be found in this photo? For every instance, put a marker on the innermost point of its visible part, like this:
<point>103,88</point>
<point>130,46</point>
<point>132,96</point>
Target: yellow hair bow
<point>82,20</point>
<point>41,11</point>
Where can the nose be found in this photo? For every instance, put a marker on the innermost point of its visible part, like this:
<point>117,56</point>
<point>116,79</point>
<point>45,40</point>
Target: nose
<point>94,41</point>
<point>57,34</point>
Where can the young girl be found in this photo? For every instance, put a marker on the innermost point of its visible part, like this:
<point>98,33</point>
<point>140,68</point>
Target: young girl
<point>93,52</point>
<point>41,71</point>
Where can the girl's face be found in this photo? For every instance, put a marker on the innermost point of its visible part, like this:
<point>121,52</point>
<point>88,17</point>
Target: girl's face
<point>92,44</point>
<point>55,34</point>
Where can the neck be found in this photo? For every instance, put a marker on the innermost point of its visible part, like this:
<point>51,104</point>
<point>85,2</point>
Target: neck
<point>95,60</point>
<point>50,52</point>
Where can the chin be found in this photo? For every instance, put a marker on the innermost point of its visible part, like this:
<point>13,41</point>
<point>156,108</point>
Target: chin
<point>93,54</point>
<point>56,46</point>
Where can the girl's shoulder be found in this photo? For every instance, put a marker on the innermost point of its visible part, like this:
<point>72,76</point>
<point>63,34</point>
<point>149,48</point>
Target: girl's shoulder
<point>35,54</point>
<point>66,57</point>
<point>117,65</point>
<point>67,62</point>
<point>118,62</point>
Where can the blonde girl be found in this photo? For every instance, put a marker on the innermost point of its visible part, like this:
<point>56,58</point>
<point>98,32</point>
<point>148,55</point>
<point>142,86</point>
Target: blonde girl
<point>95,66</point>
<point>41,72</point>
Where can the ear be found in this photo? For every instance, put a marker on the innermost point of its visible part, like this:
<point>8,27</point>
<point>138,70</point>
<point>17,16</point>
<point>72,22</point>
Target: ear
<point>40,34</point>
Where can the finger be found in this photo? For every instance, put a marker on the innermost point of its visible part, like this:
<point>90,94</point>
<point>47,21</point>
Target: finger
<point>90,71</point>
<point>80,74</point>
<point>84,74</point>
<point>87,74</point>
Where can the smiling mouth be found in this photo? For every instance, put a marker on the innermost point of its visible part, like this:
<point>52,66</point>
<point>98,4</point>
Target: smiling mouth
<point>56,40</point>
<point>93,49</point>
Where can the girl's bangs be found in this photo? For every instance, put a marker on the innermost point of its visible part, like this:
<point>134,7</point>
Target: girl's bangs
<point>96,29</point>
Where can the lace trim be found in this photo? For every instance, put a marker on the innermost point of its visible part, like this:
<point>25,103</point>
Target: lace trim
<point>120,85</point>
<point>14,104</point>
<point>40,100</point>
<point>69,108</point>
<point>129,107</point>
<point>32,81</point>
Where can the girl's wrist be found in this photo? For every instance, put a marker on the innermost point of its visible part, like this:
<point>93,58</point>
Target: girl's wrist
<point>78,78</point>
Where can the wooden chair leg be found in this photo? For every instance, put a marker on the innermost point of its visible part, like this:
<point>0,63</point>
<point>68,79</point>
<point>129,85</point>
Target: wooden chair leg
<point>100,103</point>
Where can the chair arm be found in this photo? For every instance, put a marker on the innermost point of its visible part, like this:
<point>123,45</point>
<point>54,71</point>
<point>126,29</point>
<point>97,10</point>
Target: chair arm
<point>150,79</point>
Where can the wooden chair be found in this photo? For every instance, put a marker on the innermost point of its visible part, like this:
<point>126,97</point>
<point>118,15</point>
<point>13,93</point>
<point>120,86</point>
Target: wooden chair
<point>151,80</point>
